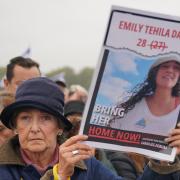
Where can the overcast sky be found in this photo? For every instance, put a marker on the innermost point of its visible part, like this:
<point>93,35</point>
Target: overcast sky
<point>63,32</point>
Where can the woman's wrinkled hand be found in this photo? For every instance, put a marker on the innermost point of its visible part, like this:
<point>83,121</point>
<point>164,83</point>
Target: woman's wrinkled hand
<point>174,138</point>
<point>71,152</point>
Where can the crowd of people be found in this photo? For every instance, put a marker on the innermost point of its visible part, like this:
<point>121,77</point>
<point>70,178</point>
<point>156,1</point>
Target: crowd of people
<point>40,119</point>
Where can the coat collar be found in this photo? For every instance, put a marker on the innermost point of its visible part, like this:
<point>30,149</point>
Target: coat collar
<point>10,154</point>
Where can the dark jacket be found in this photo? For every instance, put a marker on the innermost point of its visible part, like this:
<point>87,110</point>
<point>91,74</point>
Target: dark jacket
<point>128,165</point>
<point>153,171</point>
<point>13,168</point>
<point>102,157</point>
<point>156,171</point>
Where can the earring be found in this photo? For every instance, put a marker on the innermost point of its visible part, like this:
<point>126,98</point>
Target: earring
<point>60,133</point>
<point>15,132</point>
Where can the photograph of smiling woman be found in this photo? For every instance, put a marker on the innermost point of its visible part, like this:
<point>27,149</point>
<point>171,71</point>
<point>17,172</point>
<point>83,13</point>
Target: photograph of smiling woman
<point>153,105</point>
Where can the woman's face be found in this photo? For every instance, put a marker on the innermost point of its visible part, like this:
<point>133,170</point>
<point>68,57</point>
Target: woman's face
<point>168,74</point>
<point>37,130</point>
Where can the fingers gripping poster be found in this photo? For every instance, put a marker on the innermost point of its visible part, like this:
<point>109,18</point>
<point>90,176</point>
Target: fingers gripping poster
<point>134,101</point>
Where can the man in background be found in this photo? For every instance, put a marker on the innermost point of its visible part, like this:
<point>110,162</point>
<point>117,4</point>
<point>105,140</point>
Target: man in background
<point>61,82</point>
<point>77,92</point>
<point>18,70</point>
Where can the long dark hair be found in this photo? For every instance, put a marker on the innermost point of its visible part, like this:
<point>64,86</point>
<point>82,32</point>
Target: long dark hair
<point>145,89</point>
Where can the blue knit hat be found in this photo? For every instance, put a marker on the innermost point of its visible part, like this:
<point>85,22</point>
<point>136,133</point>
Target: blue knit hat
<point>40,93</point>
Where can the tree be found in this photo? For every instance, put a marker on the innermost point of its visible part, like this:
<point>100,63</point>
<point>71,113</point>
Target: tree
<point>82,78</point>
<point>85,76</point>
<point>2,72</point>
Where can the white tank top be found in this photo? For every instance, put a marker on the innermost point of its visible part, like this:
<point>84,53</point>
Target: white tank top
<point>140,119</point>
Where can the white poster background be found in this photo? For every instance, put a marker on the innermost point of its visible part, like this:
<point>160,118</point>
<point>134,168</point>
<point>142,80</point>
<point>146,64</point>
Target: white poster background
<point>146,28</point>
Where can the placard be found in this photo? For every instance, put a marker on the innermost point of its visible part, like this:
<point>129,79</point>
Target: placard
<point>116,116</point>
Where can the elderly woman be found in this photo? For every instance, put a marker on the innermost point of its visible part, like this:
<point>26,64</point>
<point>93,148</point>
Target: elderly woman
<point>37,118</point>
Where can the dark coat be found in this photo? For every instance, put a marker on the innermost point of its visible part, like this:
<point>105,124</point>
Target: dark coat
<point>128,165</point>
<point>13,168</point>
<point>157,171</point>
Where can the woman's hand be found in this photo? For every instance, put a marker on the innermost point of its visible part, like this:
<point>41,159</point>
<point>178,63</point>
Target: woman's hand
<point>174,139</point>
<point>71,152</point>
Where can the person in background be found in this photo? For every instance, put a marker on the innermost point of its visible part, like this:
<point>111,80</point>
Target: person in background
<point>164,170</point>
<point>73,111</point>
<point>128,165</point>
<point>18,70</point>
<point>5,133</point>
<point>34,153</point>
<point>77,92</point>
<point>61,82</point>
